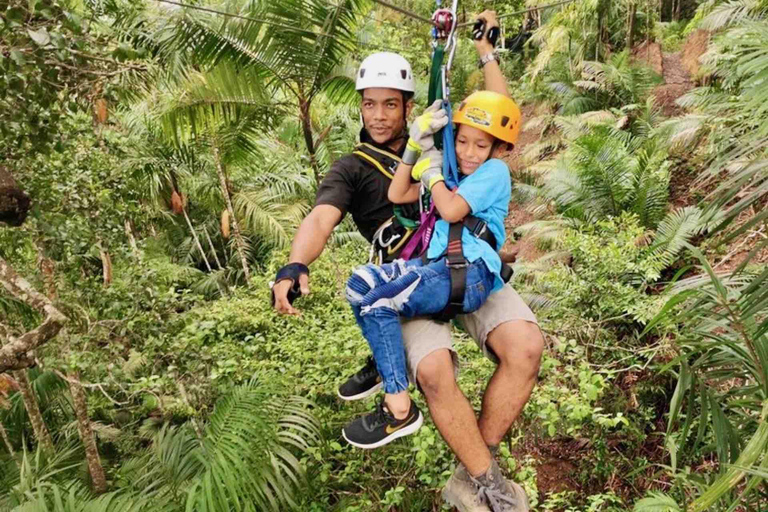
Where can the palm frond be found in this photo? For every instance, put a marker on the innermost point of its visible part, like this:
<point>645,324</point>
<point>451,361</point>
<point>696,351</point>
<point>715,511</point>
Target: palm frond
<point>675,231</point>
<point>733,12</point>
<point>657,502</point>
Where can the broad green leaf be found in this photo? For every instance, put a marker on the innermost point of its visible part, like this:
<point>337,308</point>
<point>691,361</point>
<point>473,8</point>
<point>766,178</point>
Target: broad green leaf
<point>39,36</point>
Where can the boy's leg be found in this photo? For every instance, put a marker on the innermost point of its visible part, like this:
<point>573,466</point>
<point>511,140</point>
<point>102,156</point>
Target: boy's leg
<point>382,329</point>
<point>367,381</point>
<point>422,290</point>
<point>373,301</point>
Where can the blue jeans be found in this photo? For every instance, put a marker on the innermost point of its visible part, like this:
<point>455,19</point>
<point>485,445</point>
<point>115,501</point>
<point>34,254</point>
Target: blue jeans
<point>380,295</point>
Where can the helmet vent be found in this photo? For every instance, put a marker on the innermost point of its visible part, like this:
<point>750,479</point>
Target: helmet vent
<point>362,72</point>
<point>403,73</point>
<point>463,104</point>
<point>504,121</point>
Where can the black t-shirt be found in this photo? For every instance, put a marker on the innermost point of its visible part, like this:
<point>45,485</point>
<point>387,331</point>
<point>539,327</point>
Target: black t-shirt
<point>356,186</point>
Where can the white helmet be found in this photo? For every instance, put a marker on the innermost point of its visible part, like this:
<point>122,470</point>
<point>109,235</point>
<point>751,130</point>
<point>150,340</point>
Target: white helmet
<point>386,70</point>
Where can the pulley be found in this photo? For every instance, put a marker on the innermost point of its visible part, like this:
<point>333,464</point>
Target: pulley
<point>443,21</point>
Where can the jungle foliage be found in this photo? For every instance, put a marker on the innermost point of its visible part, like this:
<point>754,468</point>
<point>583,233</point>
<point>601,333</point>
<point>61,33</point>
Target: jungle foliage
<point>170,153</point>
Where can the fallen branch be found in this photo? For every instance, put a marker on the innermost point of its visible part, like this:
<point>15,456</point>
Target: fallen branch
<point>15,354</point>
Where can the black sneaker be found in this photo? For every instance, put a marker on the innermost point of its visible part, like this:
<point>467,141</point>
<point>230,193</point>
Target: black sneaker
<point>381,427</point>
<point>362,384</point>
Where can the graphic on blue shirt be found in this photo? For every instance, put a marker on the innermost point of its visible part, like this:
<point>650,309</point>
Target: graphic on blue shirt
<point>487,191</point>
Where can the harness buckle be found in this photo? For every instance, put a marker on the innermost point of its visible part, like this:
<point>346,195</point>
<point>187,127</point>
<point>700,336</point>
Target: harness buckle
<point>480,228</point>
<point>459,264</point>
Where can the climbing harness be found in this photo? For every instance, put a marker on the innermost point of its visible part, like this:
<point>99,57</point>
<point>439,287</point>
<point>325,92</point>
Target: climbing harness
<point>394,233</point>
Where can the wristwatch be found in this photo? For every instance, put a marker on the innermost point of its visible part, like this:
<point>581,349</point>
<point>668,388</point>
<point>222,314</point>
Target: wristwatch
<point>485,59</point>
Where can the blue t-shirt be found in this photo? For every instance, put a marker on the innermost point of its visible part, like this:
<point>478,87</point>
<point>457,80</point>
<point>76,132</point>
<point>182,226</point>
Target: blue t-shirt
<point>487,191</point>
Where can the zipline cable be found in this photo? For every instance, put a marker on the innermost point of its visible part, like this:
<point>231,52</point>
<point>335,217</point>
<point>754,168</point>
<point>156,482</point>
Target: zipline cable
<point>404,11</point>
<point>241,17</point>
<point>415,16</point>
<point>538,8</point>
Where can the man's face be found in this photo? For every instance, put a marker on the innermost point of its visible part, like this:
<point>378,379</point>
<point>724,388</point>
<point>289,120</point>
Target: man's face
<point>382,111</point>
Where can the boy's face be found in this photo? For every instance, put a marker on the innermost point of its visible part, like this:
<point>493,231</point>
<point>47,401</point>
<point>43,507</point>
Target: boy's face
<point>473,148</point>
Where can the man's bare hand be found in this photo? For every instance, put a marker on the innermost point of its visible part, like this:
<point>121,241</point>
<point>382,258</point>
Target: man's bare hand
<point>281,289</point>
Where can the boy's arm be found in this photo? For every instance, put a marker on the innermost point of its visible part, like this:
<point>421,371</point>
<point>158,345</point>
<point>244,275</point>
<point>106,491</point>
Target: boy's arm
<point>452,206</point>
<point>429,170</point>
<point>401,190</point>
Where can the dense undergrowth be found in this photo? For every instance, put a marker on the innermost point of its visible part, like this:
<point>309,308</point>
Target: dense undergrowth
<point>649,279</point>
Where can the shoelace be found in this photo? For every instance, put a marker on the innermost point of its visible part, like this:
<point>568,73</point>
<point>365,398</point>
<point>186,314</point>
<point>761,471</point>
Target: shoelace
<point>378,417</point>
<point>496,500</point>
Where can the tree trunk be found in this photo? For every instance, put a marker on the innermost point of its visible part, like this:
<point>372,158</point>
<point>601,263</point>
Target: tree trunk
<point>17,353</point>
<point>33,410</point>
<point>223,183</point>
<point>197,240</point>
<point>7,441</point>
<point>200,248</point>
<point>306,128</point>
<point>631,27</point>
<point>86,433</point>
<point>599,37</point>
<point>106,266</point>
<point>213,249</point>
<point>47,268</point>
<point>132,239</point>
<point>14,203</point>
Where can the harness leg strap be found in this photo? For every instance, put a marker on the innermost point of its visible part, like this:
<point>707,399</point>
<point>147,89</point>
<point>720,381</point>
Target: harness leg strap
<point>457,264</point>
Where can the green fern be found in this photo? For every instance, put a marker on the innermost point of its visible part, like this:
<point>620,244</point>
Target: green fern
<point>657,502</point>
<point>243,458</point>
<point>607,172</point>
<point>676,230</point>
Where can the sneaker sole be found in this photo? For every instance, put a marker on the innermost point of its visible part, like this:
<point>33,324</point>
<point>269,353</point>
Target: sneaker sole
<point>405,431</point>
<point>360,396</point>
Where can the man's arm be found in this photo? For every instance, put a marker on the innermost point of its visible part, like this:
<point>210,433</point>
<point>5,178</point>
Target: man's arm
<point>308,244</point>
<point>494,78</point>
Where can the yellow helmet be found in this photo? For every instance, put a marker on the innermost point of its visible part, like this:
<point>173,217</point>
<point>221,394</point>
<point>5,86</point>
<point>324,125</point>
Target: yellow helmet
<point>492,113</point>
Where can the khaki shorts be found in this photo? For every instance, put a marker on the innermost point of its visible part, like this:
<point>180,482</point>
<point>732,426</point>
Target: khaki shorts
<point>422,336</point>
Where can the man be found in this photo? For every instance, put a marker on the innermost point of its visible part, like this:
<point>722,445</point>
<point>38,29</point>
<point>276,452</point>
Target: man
<point>504,328</point>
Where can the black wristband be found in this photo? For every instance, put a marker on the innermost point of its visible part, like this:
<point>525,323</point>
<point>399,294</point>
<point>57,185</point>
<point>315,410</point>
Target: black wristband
<point>291,271</point>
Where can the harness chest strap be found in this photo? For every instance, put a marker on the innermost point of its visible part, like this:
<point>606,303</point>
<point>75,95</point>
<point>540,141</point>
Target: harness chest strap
<point>386,163</point>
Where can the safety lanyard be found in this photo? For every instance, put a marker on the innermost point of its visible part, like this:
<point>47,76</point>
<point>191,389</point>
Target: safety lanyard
<point>445,42</point>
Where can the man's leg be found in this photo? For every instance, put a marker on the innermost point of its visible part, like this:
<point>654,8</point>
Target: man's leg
<point>451,411</point>
<point>518,345</point>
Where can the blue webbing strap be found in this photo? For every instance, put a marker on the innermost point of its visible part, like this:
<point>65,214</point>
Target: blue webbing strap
<point>450,166</point>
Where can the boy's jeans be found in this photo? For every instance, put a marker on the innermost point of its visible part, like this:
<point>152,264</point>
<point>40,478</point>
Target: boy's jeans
<point>381,295</point>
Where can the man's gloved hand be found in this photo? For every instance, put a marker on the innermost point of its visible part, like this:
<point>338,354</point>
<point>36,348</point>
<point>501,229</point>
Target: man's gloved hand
<point>291,282</point>
<point>429,169</point>
<point>422,131</point>
<point>485,32</point>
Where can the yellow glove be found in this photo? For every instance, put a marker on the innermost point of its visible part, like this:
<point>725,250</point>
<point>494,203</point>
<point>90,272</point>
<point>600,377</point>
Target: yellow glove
<point>422,131</point>
<point>429,170</point>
